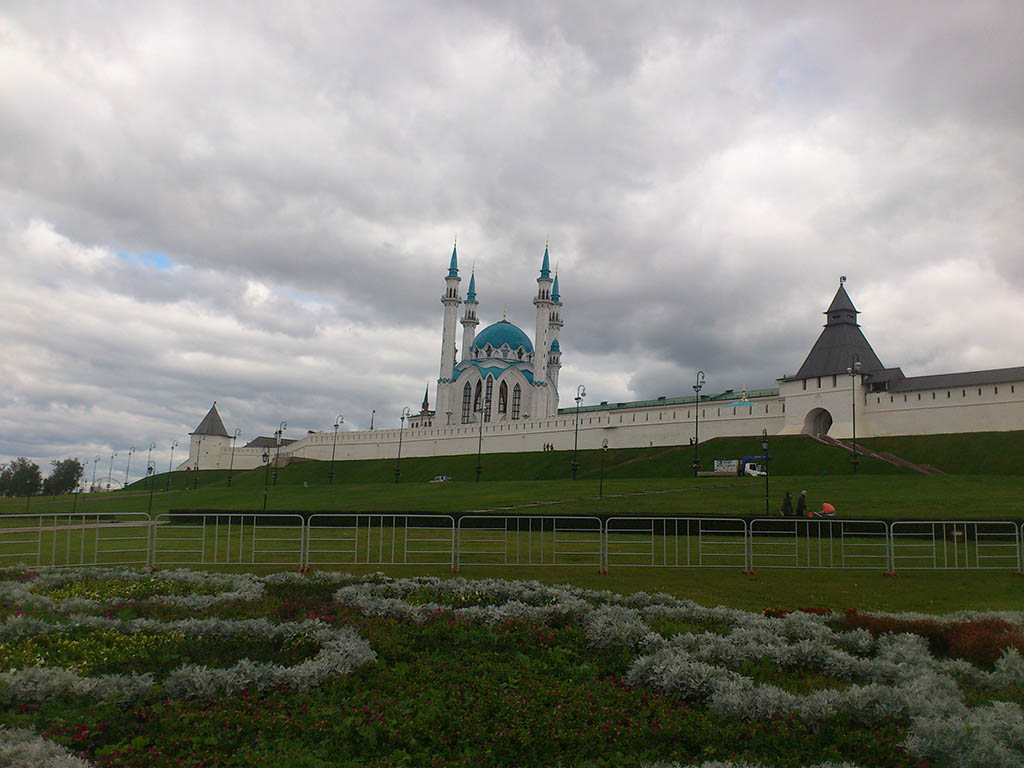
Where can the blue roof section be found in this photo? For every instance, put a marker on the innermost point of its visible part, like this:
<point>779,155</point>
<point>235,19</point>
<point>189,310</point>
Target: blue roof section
<point>554,292</point>
<point>488,368</point>
<point>453,268</point>
<point>545,268</point>
<point>503,332</point>
<point>471,295</point>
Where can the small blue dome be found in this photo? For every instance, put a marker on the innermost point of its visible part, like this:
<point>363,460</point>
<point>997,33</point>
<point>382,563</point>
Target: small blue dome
<point>502,332</point>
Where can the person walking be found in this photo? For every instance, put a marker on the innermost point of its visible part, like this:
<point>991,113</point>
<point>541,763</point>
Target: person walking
<point>801,504</point>
<point>787,505</point>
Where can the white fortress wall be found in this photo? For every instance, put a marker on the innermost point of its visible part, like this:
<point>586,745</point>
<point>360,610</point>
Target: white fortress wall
<point>978,408</point>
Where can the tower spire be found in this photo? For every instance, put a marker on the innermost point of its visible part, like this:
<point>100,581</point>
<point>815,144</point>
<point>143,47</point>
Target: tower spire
<point>453,267</point>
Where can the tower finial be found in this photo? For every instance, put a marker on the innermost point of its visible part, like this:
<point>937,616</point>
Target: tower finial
<point>842,279</point>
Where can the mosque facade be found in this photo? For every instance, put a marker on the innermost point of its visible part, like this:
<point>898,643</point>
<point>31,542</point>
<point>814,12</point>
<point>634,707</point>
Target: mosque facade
<point>501,395</point>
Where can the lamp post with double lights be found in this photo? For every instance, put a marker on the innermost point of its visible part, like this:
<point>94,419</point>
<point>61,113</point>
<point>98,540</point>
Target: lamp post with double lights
<point>764,450</point>
<point>92,485</point>
<point>110,471</point>
<point>128,465</point>
<point>484,406</point>
<point>170,464</point>
<point>449,415</point>
<point>337,423</point>
<point>150,470</point>
<point>231,465</point>
<point>279,434</point>
<point>854,371</point>
<point>696,422</point>
<point>604,450</point>
<point>372,414</point>
<point>401,429</point>
<point>581,392</point>
<point>266,476</point>
<point>149,459</point>
<point>199,452</point>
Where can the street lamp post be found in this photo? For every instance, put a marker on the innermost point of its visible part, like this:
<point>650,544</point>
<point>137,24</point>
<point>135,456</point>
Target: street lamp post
<point>854,371</point>
<point>449,415</point>
<point>372,414</point>
<point>266,476</point>
<point>277,459</point>
<point>764,450</point>
<point>149,458</point>
<point>337,423</point>
<point>199,452</point>
<point>484,406</point>
<point>401,429</point>
<point>128,465</point>
<point>604,450</point>
<point>231,464</point>
<point>150,470</point>
<point>111,470</point>
<point>581,392</point>
<point>696,422</point>
<point>170,464</point>
<point>92,485</point>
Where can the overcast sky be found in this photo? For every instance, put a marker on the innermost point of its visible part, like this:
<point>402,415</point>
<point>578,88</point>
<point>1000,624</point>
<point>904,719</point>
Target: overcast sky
<point>255,203</point>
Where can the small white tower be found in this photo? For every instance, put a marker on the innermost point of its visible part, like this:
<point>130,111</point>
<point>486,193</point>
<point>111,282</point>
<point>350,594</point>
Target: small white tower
<point>451,301</point>
<point>469,318</point>
<point>542,342</point>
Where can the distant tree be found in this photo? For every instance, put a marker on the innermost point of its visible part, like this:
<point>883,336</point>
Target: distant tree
<point>64,477</point>
<point>21,478</point>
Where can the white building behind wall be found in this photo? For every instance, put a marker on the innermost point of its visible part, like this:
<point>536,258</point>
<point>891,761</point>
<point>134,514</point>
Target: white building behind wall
<point>510,382</point>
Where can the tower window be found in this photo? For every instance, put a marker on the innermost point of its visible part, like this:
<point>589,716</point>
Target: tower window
<point>819,382</point>
<point>805,383</point>
<point>834,382</point>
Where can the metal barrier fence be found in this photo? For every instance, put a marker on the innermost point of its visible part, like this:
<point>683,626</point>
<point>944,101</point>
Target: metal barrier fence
<point>340,539</point>
<point>675,542</point>
<point>228,539</point>
<point>64,540</point>
<point>528,540</point>
<point>282,539</point>
<point>818,543</point>
<point>948,544</point>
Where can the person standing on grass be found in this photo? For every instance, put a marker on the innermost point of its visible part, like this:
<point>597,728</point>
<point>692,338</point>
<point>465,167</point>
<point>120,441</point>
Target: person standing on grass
<point>801,504</point>
<point>787,505</point>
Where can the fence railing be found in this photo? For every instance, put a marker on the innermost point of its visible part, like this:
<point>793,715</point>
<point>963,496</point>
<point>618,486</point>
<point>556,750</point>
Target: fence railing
<point>62,540</point>
<point>948,544</point>
<point>675,542</point>
<point>529,540</point>
<point>332,539</point>
<point>228,539</point>
<point>818,543</point>
<point>352,539</point>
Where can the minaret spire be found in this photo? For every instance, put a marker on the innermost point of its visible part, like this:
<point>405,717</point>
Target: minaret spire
<point>451,300</point>
<point>469,319</point>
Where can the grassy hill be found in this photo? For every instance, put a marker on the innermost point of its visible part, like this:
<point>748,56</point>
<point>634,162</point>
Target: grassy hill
<point>978,453</point>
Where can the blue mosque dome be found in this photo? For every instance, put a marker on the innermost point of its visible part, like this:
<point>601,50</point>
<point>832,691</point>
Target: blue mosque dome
<point>502,332</point>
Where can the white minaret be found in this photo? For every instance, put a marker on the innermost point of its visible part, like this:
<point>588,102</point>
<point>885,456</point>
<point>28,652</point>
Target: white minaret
<point>451,301</point>
<point>469,319</point>
<point>542,341</point>
<point>555,322</point>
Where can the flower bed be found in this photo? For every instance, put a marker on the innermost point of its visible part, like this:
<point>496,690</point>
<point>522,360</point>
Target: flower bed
<point>478,672</point>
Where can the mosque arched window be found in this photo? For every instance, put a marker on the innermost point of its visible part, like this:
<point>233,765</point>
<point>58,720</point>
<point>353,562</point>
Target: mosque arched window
<point>517,396</point>
<point>466,395</point>
<point>487,398</point>
<point>477,394</point>
<point>519,353</point>
<point>503,397</point>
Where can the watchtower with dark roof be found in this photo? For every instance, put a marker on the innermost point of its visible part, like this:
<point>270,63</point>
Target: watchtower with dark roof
<point>840,344</point>
<point>208,441</point>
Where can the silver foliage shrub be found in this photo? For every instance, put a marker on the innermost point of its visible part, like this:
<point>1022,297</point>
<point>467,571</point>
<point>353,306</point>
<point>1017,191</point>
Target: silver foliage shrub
<point>22,748</point>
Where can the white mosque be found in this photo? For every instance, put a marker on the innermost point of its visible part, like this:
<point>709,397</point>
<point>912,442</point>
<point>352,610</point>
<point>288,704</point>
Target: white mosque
<point>503,392</point>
